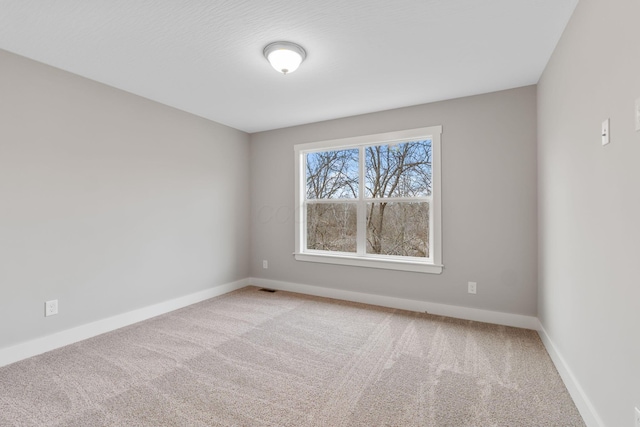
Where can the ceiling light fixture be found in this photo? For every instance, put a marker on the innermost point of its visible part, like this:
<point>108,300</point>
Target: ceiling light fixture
<point>285,57</point>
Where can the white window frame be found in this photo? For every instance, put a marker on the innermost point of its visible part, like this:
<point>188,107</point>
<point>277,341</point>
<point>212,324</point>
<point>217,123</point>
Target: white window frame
<point>433,264</point>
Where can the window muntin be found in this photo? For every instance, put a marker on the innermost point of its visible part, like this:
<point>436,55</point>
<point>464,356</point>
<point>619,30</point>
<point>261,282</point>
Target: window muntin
<point>371,201</point>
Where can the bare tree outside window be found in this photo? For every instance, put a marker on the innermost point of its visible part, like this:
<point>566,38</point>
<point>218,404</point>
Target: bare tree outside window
<point>332,175</point>
<point>398,171</point>
<point>396,187</point>
<point>332,227</point>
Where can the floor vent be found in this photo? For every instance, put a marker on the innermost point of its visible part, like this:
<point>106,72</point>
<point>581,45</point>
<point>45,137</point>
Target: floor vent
<point>267,290</point>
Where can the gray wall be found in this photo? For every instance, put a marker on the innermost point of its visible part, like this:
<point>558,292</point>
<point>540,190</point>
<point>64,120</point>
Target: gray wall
<point>109,202</point>
<point>489,203</point>
<point>589,204</point>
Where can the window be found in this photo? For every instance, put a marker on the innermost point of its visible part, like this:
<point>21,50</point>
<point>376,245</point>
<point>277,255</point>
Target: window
<point>371,201</point>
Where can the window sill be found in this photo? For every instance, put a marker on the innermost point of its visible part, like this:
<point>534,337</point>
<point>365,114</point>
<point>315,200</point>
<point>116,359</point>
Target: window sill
<point>356,261</point>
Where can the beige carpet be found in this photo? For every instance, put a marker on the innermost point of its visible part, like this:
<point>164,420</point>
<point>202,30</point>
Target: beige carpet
<point>252,358</point>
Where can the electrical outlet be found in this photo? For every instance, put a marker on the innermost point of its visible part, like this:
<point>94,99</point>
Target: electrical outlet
<point>265,263</point>
<point>472,287</point>
<point>637,418</point>
<point>51,308</point>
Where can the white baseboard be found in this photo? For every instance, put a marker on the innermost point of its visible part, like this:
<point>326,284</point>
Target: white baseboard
<point>586,409</point>
<point>60,339</point>
<point>499,318</point>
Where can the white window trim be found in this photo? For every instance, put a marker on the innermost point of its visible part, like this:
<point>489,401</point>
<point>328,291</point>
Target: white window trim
<point>430,265</point>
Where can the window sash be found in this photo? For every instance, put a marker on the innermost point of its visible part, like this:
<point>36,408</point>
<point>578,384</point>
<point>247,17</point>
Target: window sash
<point>361,230</point>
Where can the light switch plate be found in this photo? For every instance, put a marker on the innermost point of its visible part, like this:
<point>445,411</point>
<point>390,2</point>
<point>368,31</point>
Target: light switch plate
<point>638,114</point>
<point>605,132</point>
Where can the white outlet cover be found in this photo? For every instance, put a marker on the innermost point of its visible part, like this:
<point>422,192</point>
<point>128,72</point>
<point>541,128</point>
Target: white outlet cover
<point>473,287</point>
<point>637,417</point>
<point>51,308</point>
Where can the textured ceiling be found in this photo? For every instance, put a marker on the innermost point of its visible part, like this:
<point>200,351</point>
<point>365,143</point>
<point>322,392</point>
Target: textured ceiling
<point>205,56</point>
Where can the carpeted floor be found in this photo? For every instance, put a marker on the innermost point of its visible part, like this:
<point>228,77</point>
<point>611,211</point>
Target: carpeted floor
<point>252,358</point>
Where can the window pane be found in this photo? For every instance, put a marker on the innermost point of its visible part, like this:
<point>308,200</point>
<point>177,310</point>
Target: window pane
<point>332,174</point>
<point>400,229</point>
<point>332,226</point>
<point>398,170</point>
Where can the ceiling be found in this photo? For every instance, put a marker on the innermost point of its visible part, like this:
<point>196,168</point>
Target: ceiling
<point>205,56</point>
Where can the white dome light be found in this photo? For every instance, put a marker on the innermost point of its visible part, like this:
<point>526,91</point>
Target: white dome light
<point>285,57</point>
